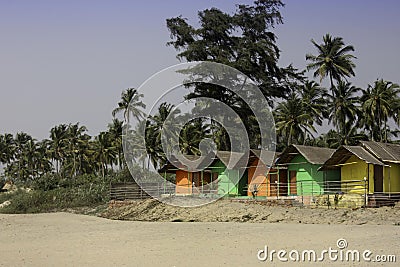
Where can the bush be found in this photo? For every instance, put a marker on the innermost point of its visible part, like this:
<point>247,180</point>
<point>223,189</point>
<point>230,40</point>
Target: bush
<point>52,192</point>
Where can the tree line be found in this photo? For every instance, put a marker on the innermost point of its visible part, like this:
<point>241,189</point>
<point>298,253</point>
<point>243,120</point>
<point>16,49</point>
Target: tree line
<point>243,40</point>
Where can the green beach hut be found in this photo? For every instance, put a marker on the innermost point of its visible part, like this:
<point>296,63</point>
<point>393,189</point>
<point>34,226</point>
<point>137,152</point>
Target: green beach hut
<point>232,179</point>
<point>302,164</point>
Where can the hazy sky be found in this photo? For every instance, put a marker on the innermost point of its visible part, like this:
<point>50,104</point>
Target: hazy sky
<point>68,61</point>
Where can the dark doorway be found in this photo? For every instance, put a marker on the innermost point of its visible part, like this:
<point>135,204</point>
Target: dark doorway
<point>378,178</point>
<point>273,184</point>
<point>293,183</point>
<point>283,183</point>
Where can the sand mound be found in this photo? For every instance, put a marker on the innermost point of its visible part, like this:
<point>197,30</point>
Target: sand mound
<point>249,211</point>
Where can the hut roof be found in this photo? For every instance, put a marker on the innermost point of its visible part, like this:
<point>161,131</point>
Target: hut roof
<point>231,159</point>
<point>174,163</point>
<point>314,155</point>
<point>265,156</point>
<point>383,151</point>
<point>343,153</point>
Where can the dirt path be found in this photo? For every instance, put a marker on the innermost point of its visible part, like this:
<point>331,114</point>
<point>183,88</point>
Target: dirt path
<point>64,239</point>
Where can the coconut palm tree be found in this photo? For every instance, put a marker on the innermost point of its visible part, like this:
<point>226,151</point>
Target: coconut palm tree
<point>191,136</point>
<point>104,151</point>
<point>130,104</point>
<point>115,130</point>
<point>7,148</point>
<point>379,103</point>
<point>156,126</point>
<point>58,136</point>
<point>19,169</point>
<point>314,99</point>
<point>333,59</point>
<point>76,142</point>
<point>343,106</point>
<point>293,121</point>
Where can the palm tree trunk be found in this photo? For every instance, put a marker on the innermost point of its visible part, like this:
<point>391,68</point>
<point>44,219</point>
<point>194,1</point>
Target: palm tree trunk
<point>331,79</point>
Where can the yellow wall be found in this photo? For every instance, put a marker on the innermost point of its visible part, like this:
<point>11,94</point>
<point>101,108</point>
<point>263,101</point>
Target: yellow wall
<point>391,175</point>
<point>356,169</point>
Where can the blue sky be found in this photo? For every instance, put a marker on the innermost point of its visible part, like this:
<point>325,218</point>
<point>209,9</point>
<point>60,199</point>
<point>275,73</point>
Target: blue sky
<point>68,61</point>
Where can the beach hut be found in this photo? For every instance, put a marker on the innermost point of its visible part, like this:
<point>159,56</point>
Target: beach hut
<point>356,165</point>
<point>187,180</point>
<point>226,175</point>
<point>386,178</point>
<point>302,164</point>
<point>263,174</point>
<point>232,174</point>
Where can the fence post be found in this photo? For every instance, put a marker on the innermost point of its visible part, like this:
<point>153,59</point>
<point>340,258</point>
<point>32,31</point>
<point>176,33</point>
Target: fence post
<point>302,193</point>
<point>365,192</point>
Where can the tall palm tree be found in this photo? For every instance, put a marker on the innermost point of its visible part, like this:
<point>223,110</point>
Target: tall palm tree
<point>43,162</point>
<point>343,106</point>
<point>293,121</point>
<point>191,136</point>
<point>7,148</point>
<point>380,102</point>
<point>130,104</point>
<point>155,127</point>
<point>314,99</point>
<point>115,130</point>
<point>104,151</point>
<point>333,59</point>
<point>76,140</point>
<point>58,136</point>
<point>21,140</point>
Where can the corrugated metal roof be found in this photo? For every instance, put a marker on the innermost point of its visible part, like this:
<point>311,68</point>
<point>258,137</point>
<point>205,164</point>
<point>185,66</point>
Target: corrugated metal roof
<point>314,155</point>
<point>383,151</point>
<point>232,160</point>
<point>265,156</point>
<point>343,153</point>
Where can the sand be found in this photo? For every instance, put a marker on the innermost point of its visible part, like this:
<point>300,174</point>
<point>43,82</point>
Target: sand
<point>226,210</point>
<point>65,239</point>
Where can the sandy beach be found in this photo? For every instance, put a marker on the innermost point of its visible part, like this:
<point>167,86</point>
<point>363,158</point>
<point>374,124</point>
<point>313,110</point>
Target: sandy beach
<point>66,239</point>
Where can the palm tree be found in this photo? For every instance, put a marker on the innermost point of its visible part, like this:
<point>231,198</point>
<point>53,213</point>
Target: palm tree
<point>43,162</point>
<point>130,104</point>
<point>343,106</point>
<point>76,141</point>
<point>20,141</point>
<point>104,151</point>
<point>314,99</point>
<point>7,148</point>
<point>58,136</point>
<point>380,102</point>
<point>155,127</point>
<point>293,121</point>
<point>115,130</point>
<point>351,136</point>
<point>191,136</point>
<point>333,59</point>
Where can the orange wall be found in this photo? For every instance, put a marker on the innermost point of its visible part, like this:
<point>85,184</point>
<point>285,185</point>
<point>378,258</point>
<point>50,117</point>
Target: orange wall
<point>183,182</point>
<point>256,175</point>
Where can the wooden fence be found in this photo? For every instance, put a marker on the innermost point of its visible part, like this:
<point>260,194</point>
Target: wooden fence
<point>132,191</point>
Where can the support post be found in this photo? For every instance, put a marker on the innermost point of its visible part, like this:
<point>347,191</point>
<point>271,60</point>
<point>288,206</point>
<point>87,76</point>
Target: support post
<point>365,194</point>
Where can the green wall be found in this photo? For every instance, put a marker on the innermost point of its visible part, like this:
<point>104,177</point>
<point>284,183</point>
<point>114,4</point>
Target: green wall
<point>309,179</point>
<point>229,182</point>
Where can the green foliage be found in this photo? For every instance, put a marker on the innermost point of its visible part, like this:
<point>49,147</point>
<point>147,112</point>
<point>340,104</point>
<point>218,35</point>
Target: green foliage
<point>54,193</point>
<point>333,59</point>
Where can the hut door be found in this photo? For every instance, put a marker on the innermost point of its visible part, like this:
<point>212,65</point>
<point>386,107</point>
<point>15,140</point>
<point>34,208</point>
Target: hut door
<point>293,184</point>
<point>273,186</point>
<point>378,178</point>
